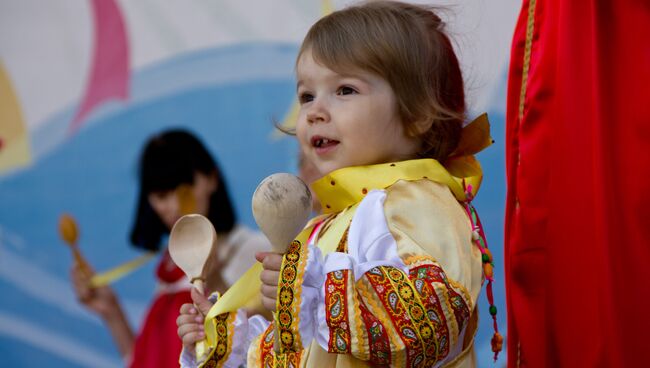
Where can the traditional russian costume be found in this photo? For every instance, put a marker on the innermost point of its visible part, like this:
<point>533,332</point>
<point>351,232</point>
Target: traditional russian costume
<point>388,276</point>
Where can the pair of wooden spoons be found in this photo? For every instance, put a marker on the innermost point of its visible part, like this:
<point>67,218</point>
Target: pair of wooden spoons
<point>281,207</point>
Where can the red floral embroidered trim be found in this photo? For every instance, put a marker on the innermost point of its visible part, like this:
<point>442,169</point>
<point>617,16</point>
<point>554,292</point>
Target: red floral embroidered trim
<point>406,312</point>
<point>269,359</point>
<point>336,311</point>
<point>266,348</point>
<point>458,303</point>
<point>419,278</point>
<point>378,342</point>
<point>288,360</point>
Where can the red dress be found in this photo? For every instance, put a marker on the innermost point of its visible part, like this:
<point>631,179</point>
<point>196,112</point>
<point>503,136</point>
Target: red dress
<point>578,127</point>
<point>158,344</point>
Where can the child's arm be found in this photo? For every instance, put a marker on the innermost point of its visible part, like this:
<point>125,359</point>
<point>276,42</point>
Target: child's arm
<point>405,289</point>
<point>412,280</point>
<point>103,302</point>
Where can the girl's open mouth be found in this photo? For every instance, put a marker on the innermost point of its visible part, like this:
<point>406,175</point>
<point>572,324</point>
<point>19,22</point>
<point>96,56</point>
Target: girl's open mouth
<point>322,144</point>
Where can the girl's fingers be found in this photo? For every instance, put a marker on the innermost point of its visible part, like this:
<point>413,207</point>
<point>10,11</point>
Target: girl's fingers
<point>188,308</point>
<point>272,261</point>
<point>259,256</point>
<point>188,328</point>
<point>187,319</point>
<point>268,303</point>
<point>77,280</point>
<point>270,277</point>
<point>191,334</point>
<point>200,301</point>
<point>270,292</point>
<point>80,285</point>
<point>192,338</point>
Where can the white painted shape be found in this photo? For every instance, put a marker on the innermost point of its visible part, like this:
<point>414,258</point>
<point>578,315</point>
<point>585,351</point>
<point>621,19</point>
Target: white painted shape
<point>45,47</point>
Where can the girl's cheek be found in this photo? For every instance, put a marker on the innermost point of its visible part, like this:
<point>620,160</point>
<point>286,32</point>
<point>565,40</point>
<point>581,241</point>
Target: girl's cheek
<point>302,139</point>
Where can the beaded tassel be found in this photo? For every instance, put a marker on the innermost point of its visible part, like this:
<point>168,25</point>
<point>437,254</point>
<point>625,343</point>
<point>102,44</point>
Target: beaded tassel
<point>478,237</point>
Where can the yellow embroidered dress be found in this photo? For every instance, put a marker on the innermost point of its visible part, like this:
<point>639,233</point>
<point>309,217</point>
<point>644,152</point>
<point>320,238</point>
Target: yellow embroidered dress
<point>389,276</point>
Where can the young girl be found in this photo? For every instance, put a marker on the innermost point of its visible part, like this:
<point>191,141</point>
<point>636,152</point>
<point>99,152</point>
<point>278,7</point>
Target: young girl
<point>390,275</point>
<point>172,160</point>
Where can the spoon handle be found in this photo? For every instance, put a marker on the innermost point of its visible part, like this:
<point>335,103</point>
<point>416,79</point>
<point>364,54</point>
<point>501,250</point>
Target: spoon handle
<point>197,282</point>
<point>80,261</point>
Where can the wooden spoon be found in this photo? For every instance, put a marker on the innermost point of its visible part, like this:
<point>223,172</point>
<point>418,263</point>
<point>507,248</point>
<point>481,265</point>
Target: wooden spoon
<point>281,208</point>
<point>191,242</point>
<point>70,234</point>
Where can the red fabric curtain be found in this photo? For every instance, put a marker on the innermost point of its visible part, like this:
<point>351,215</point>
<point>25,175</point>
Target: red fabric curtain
<point>578,160</point>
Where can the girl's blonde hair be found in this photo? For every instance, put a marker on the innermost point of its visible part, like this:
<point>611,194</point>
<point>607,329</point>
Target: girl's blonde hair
<point>404,44</point>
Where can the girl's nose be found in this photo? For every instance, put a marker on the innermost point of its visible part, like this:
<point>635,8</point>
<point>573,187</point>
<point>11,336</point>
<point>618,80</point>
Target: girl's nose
<point>318,112</point>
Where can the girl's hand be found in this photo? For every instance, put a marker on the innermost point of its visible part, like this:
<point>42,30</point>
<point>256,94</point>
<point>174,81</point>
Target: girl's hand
<point>271,262</point>
<point>190,320</point>
<point>100,300</point>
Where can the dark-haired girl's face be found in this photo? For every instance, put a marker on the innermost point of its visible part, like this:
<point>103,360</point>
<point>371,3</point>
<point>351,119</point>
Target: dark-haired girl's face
<point>170,205</point>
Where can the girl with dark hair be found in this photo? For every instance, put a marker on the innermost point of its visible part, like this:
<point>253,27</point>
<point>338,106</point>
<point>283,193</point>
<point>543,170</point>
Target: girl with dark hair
<point>177,175</point>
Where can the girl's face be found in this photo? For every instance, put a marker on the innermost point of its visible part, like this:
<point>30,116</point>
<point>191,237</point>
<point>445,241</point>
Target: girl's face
<point>348,120</point>
<point>170,205</point>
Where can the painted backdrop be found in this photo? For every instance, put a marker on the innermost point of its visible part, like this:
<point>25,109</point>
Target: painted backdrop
<point>83,84</point>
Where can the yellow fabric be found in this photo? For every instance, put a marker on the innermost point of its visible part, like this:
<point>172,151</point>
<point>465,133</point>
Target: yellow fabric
<point>475,137</point>
<point>116,273</point>
<point>345,187</point>
<point>427,222</point>
<point>425,219</point>
<point>329,240</point>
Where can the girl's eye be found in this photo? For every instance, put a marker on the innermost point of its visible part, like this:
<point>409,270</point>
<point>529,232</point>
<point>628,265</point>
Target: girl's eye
<point>305,97</point>
<point>345,90</point>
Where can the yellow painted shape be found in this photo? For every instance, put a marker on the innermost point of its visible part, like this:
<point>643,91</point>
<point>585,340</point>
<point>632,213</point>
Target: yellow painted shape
<point>15,149</point>
<point>326,7</point>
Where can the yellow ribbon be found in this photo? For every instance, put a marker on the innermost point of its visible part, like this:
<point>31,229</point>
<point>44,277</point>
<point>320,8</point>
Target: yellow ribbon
<point>116,273</point>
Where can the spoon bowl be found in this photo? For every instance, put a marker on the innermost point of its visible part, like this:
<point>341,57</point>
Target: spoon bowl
<point>191,242</point>
<point>281,207</point>
<point>69,232</point>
